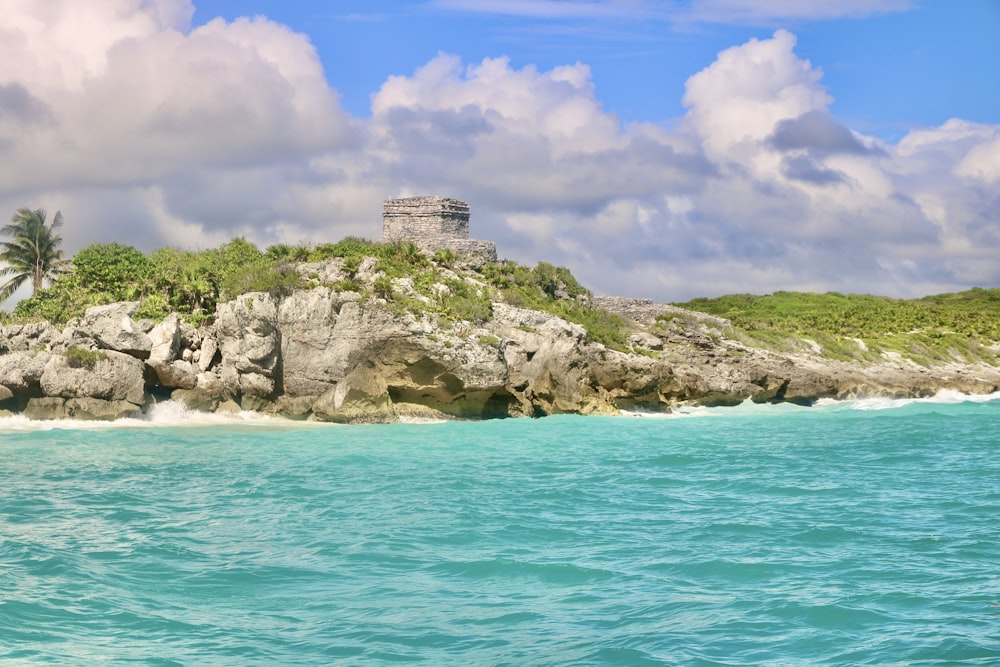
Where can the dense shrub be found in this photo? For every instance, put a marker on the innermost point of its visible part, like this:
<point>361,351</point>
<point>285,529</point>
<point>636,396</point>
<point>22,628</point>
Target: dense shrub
<point>462,301</point>
<point>101,273</point>
<point>554,289</point>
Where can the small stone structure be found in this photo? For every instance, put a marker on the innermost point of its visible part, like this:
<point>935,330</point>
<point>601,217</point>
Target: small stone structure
<point>433,223</point>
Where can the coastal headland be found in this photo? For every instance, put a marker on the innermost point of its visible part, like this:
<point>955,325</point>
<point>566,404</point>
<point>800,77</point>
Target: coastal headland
<point>429,324</point>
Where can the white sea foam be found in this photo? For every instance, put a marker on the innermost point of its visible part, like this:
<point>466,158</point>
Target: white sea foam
<point>943,397</point>
<point>679,412</point>
<point>169,414</point>
<point>948,397</point>
<point>422,420</point>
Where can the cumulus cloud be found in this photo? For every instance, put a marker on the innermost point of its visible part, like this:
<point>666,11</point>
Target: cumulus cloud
<point>737,101</point>
<point>122,97</point>
<point>144,130</point>
<point>760,188</point>
<point>816,132</point>
<point>522,139</point>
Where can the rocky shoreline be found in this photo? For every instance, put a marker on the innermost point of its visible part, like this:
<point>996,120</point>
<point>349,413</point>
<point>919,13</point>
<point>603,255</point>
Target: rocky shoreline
<point>337,356</point>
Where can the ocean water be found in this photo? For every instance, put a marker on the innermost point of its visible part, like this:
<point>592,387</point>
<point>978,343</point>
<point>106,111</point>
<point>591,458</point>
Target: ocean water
<point>862,533</point>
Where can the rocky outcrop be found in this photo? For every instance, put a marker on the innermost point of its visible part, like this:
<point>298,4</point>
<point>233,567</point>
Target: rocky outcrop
<point>250,342</point>
<point>112,376</point>
<point>112,328</point>
<point>169,365</point>
<point>339,356</point>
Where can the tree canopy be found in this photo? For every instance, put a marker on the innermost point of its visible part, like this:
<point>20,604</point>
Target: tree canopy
<point>32,253</point>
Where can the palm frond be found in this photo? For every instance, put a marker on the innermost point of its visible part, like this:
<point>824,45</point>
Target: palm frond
<point>9,287</point>
<point>32,251</point>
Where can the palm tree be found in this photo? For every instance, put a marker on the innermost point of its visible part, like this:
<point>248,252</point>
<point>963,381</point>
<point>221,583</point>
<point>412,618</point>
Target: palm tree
<point>33,251</point>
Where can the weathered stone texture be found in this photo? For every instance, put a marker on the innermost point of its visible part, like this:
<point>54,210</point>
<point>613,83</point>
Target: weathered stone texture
<point>424,217</point>
<point>646,311</point>
<point>432,223</point>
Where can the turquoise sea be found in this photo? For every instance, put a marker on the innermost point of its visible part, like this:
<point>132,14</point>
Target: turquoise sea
<point>863,533</point>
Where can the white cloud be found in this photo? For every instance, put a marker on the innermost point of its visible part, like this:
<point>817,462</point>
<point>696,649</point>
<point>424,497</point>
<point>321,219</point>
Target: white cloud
<point>559,105</point>
<point>149,132</point>
<point>766,11</point>
<point>58,45</point>
<point>521,138</point>
<point>121,98</point>
<point>736,102</point>
<point>982,162</point>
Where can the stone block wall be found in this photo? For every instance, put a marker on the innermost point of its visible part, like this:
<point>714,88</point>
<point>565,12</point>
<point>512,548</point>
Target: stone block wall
<point>432,223</point>
<point>424,217</point>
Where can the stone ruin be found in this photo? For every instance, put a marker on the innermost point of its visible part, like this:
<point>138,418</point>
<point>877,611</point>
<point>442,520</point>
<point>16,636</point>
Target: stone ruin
<point>433,223</point>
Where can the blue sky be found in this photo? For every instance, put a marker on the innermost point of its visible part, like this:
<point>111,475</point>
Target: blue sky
<point>888,71</point>
<point>658,149</point>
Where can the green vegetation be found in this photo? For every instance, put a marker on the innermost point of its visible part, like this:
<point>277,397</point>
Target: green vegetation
<point>554,290</point>
<point>397,260</point>
<point>945,327</point>
<point>445,257</point>
<point>33,251</point>
<point>963,326</point>
<point>192,283</point>
<point>462,301</point>
<point>77,357</point>
<point>168,280</point>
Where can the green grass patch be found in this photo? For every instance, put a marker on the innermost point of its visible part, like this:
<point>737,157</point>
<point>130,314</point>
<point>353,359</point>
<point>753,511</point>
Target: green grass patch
<point>934,329</point>
<point>78,357</point>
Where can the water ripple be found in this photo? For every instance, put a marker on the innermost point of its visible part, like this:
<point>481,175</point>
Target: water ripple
<point>832,536</point>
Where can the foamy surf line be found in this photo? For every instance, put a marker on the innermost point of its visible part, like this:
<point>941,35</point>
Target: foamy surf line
<point>944,397</point>
<point>169,414</point>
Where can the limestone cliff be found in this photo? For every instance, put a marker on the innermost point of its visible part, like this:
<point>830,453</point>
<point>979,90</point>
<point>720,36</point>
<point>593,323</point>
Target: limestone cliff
<point>351,356</point>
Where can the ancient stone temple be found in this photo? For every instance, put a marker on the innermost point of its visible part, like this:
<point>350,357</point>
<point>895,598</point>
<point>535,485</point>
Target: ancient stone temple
<point>433,223</point>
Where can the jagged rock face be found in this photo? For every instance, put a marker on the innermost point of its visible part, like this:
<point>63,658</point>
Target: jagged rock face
<point>321,329</point>
<point>46,407</point>
<point>165,340</point>
<point>250,345</point>
<point>466,381</point>
<point>95,409</point>
<point>31,336</point>
<point>22,370</point>
<point>115,377</point>
<point>90,409</point>
<point>361,397</point>
<point>112,328</point>
<point>165,366</point>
